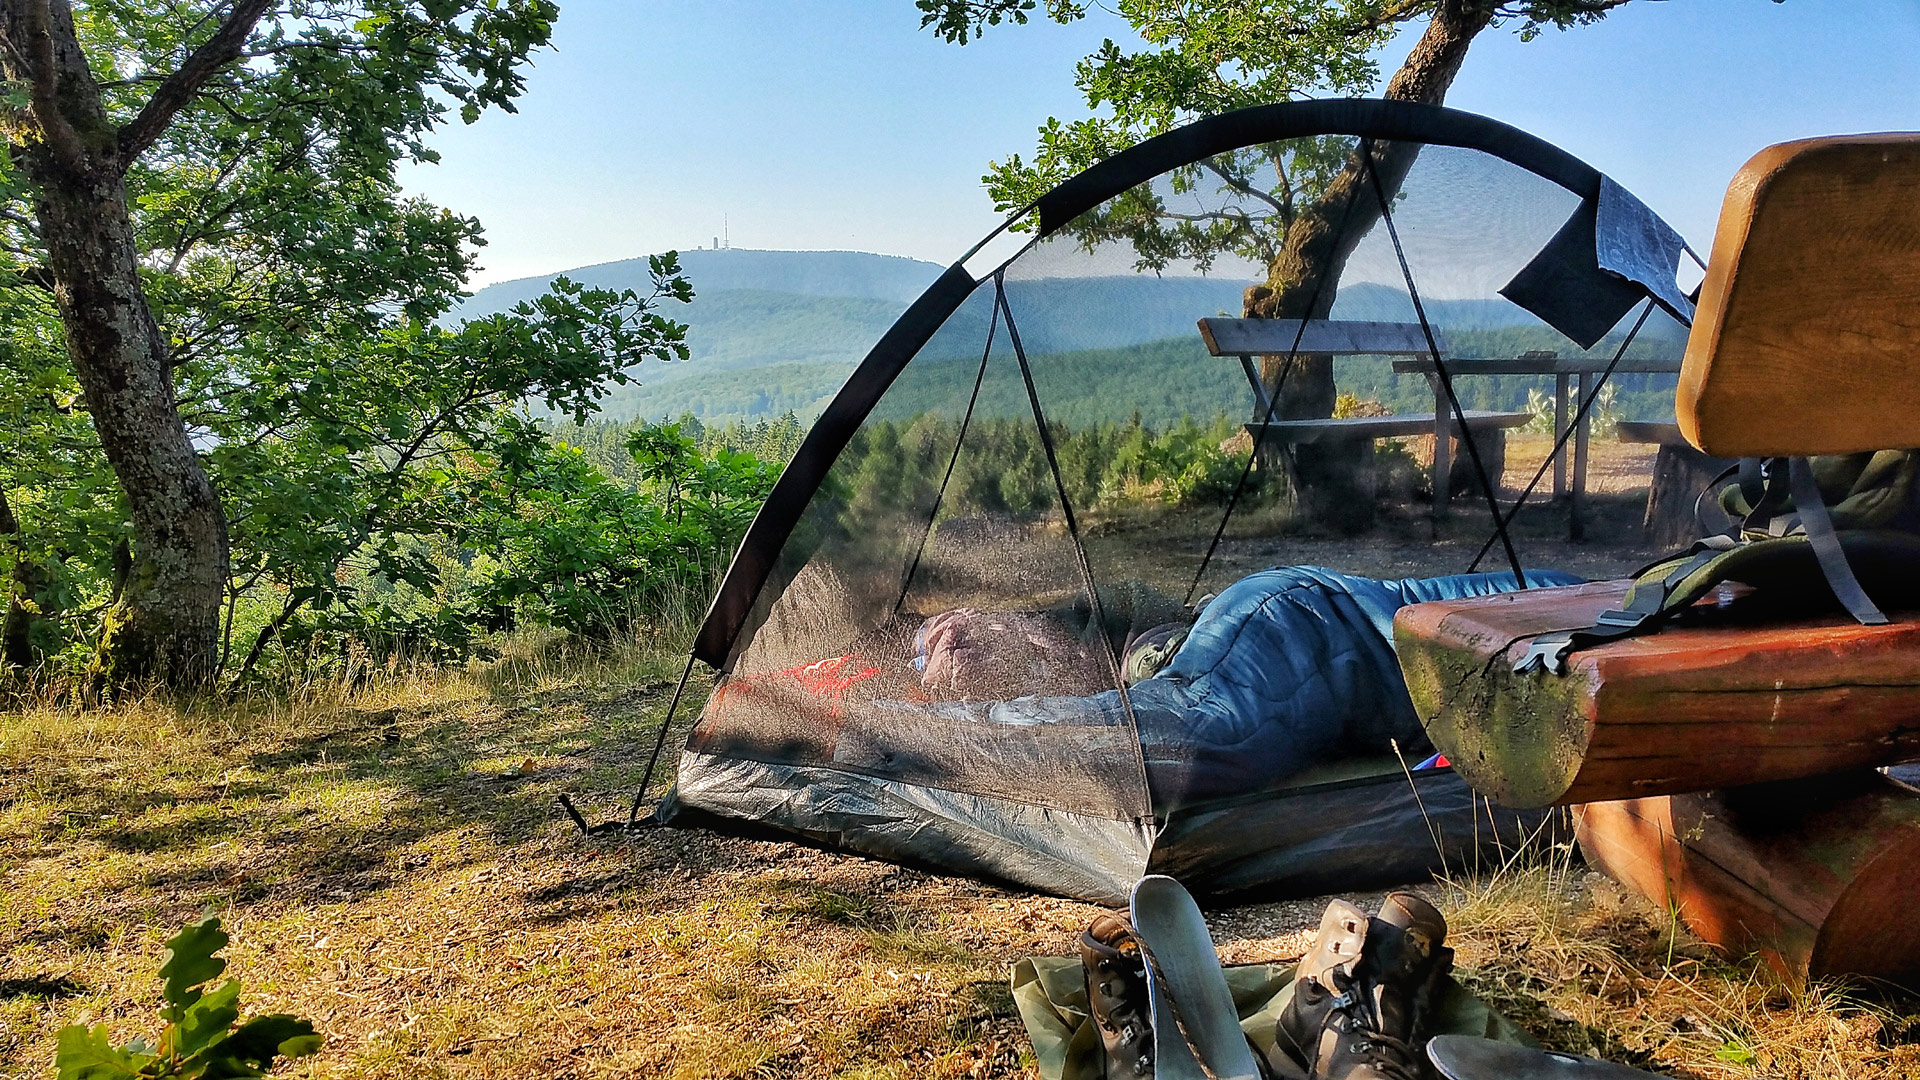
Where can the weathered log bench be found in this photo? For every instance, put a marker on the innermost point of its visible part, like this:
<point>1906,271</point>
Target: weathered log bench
<point>1680,474</point>
<point>1717,699</point>
<point>1736,747</point>
<point>1816,876</point>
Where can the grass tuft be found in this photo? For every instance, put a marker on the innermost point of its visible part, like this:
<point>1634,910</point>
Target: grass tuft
<point>1589,969</point>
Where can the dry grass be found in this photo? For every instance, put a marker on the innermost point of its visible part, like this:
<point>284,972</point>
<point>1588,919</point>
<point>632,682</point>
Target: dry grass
<point>391,865</point>
<point>1590,970</point>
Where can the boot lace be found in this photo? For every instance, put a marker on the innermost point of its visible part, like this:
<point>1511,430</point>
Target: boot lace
<point>1389,1056</point>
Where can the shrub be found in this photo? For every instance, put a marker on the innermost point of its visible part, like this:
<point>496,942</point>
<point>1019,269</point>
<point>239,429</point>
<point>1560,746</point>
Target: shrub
<point>200,1040</point>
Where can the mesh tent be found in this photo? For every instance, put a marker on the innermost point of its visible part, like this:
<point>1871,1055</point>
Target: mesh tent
<point>923,643</point>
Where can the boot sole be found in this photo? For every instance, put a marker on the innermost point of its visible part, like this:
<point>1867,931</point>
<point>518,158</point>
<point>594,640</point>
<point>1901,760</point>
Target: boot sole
<point>1185,968</point>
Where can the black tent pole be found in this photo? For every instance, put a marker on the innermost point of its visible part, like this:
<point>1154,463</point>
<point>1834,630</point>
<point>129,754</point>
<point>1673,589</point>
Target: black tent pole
<point>1561,441</point>
<point>1441,373</point>
<point>959,440</point>
<point>1273,403</point>
<point>1079,548</point>
<point>660,741</point>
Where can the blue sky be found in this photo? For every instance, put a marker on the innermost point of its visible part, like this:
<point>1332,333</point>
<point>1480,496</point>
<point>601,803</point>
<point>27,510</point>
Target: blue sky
<point>810,124</point>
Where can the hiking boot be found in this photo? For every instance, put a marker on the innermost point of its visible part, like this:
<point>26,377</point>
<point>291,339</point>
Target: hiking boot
<point>1117,997</point>
<point>1407,958</point>
<point>1363,996</point>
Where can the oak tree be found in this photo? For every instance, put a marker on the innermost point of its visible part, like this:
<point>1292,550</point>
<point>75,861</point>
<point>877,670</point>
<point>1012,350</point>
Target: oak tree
<point>218,292</point>
<point>1296,211</point>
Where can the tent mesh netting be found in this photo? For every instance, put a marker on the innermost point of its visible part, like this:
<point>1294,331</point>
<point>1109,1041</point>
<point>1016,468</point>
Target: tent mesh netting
<point>936,647</point>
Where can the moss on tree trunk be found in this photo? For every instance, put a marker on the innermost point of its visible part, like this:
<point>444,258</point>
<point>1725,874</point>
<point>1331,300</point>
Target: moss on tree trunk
<point>165,624</point>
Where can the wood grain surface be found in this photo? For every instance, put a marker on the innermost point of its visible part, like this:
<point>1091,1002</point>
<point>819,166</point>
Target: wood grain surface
<point>1816,875</point>
<point>1718,699</point>
<point>1807,336</point>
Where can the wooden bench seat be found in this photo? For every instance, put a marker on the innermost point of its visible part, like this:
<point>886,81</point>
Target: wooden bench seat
<point>1337,453</point>
<point>1649,432</point>
<point>1721,698</point>
<point>1383,427</point>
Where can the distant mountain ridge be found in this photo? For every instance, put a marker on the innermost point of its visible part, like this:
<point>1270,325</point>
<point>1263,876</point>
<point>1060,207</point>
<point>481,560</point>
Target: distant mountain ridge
<point>772,331</point>
<point>857,274</point>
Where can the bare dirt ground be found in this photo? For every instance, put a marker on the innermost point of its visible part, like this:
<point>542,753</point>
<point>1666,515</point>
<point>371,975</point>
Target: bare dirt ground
<point>392,864</point>
<point>1406,541</point>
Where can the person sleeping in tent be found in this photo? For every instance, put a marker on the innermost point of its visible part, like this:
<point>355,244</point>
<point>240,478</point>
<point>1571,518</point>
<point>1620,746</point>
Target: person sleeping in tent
<point>1284,669</point>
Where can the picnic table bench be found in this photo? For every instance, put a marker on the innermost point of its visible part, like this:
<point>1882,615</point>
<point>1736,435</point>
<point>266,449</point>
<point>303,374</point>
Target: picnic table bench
<point>1248,338</point>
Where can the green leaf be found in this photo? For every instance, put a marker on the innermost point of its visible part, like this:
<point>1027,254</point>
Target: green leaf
<point>84,1053</point>
<point>192,963</point>
<point>208,1019</point>
<point>250,1050</point>
<point>1734,1053</point>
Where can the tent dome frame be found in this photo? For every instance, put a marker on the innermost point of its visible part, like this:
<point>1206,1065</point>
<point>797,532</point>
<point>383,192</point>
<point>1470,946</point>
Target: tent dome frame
<point>1379,119</point>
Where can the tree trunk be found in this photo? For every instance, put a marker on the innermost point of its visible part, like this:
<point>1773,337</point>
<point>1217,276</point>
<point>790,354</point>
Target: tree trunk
<point>25,582</point>
<point>166,623</point>
<point>1303,280</point>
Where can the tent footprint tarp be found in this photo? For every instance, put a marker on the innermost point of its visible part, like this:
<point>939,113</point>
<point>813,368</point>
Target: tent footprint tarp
<point>1265,744</point>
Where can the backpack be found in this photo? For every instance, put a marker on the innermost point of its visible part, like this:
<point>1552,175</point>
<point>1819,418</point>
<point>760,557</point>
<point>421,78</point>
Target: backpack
<point>1809,533</point>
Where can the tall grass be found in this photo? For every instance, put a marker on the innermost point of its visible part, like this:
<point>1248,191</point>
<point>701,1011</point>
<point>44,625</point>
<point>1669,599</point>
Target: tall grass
<point>1593,970</point>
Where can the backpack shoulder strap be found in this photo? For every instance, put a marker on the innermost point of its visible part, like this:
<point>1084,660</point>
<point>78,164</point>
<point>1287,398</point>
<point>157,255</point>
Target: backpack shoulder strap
<point>1818,525</point>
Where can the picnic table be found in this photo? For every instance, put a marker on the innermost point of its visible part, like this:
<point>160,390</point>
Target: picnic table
<point>1415,346</point>
<point>1566,372</point>
<point>1248,338</point>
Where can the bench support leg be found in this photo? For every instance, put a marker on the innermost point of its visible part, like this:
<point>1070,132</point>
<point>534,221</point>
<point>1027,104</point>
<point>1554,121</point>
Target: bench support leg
<point>1559,425</point>
<point>1814,875</point>
<point>1576,518</point>
<point>1336,483</point>
<point>1442,451</point>
<point>1680,474</point>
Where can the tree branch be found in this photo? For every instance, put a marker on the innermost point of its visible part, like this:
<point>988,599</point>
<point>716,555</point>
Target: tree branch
<point>28,41</point>
<point>177,90</point>
<point>1242,186</point>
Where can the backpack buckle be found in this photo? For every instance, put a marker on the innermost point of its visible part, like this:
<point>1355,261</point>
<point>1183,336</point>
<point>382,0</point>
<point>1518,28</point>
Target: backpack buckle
<point>1620,622</point>
<point>1547,653</point>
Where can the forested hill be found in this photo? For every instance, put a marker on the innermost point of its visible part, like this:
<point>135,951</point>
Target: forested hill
<point>856,274</point>
<point>772,332</point>
<point>799,319</point>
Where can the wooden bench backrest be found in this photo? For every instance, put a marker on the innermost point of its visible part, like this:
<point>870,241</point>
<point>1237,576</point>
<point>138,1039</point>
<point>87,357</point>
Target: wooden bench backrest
<point>1807,337</point>
<point>1275,337</point>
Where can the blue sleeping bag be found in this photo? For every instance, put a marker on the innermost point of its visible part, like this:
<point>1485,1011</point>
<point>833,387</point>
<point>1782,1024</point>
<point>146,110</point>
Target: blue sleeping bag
<point>1285,669</point>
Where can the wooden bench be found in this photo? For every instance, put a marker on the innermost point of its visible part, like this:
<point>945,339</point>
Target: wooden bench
<point>1816,876</point>
<point>1680,474</point>
<point>1453,473</point>
<point>1725,697</point>
<point>1727,755</point>
<point>1386,427</point>
<point>1249,338</point>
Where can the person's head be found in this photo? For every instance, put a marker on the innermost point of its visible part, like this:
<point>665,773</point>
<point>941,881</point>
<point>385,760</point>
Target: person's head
<point>1152,651</point>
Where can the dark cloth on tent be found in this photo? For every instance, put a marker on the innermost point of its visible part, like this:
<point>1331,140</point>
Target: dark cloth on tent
<point>1285,669</point>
